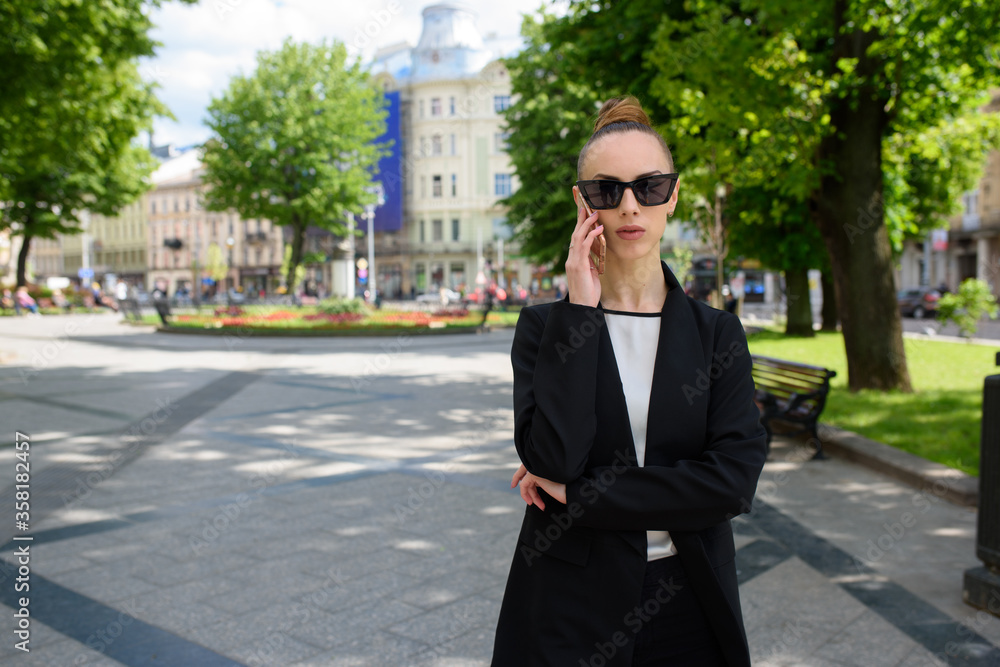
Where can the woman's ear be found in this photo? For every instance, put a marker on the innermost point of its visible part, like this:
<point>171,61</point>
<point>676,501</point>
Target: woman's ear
<point>577,197</point>
<point>672,204</point>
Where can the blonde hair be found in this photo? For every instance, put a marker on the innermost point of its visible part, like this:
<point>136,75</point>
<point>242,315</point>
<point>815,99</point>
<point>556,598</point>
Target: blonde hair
<point>617,116</point>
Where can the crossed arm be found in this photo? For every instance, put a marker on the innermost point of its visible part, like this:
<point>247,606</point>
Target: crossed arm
<point>554,436</point>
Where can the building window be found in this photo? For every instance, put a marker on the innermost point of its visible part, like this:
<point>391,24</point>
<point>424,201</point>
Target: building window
<point>422,236</point>
<point>437,230</point>
<point>454,185</point>
<point>501,230</point>
<point>453,145</point>
<point>423,146</point>
<point>501,103</point>
<point>153,204</point>
<point>436,144</point>
<point>451,106</point>
<point>457,275</point>
<point>501,185</point>
<point>435,106</point>
<point>455,225</point>
<point>423,187</point>
<point>501,141</point>
<point>436,187</point>
<point>177,205</point>
<point>421,107</point>
<point>420,277</point>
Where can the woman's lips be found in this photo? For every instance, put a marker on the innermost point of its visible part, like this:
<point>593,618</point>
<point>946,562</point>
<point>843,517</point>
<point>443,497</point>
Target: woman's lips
<point>630,234</point>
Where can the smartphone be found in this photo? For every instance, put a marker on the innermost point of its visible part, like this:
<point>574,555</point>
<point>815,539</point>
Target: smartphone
<point>599,250</point>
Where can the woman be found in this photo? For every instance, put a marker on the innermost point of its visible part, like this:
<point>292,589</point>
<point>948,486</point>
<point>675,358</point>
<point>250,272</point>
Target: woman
<point>638,434</point>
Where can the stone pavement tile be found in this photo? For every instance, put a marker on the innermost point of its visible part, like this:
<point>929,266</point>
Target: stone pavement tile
<point>359,565</point>
<point>257,637</point>
<point>871,636</point>
<point>921,657</point>
<point>792,610</point>
<point>473,649</point>
<point>65,652</point>
<point>204,590</point>
<point>449,621</point>
<point>376,649</point>
<point>106,583</point>
<point>41,635</point>
<point>451,587</point>
<point>327,630</point>
<point>173,610</point>
<point>262,588</point>
<point>165,571</point>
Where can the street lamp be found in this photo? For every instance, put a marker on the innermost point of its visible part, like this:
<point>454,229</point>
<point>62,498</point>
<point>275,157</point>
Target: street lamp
<point>370,214</point>
<point>230,242</point>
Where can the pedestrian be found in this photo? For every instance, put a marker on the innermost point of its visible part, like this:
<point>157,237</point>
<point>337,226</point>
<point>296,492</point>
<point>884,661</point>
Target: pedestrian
<point>638,436</point>
<point>487,306</point>
<point>24,301</point>
<point>7,300</point>
<point>161,302</point>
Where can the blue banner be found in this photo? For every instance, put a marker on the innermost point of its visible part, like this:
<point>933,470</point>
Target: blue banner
<point>389,216</point>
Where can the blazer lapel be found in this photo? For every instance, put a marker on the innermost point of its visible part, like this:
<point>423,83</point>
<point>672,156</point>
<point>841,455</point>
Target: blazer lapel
<point>679,353</point>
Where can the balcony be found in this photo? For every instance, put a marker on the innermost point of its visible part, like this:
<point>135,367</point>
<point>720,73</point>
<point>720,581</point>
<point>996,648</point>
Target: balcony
<point>256,237</point>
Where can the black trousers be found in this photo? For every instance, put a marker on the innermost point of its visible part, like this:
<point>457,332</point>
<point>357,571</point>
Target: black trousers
<point>677,633</point>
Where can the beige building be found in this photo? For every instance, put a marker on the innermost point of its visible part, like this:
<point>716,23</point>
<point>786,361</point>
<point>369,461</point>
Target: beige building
<point>970,247</point>
<point>183,238</point>
<point>116,246</point>
<point>455,166</point>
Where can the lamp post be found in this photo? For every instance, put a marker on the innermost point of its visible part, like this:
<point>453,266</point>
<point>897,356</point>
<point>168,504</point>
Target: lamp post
<point>230,242</point>
<point>370,214</point>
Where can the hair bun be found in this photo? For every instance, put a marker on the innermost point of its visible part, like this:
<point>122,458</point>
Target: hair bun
<point>621,110</point>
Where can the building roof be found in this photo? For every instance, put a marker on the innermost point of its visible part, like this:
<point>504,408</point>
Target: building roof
<point>182,168</point>
<point>450,47</point>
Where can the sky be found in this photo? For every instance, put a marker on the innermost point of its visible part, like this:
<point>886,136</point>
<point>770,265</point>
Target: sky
<point>203,45</point>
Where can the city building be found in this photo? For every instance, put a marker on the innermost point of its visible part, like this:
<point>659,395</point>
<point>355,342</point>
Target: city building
<point>189,246</point>
<point>452,167</point>
<point>970,246</point>
<point>116,246</point>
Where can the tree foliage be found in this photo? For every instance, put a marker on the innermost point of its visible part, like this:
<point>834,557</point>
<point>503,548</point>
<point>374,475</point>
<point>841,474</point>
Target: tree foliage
<point>968,306</point>
<point>72,104</point>
<point>295,142</point>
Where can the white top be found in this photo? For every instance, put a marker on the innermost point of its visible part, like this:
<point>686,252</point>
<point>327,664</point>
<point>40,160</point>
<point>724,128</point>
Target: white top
<point>634,338</point>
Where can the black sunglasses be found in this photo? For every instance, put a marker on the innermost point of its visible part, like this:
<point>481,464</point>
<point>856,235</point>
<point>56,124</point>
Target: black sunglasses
<point>649,191</point>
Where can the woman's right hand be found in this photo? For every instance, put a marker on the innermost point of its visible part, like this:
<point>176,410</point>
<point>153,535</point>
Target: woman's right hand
<point>582,279</point>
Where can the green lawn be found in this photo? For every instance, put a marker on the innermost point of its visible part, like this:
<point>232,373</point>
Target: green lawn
<point>940,421</point>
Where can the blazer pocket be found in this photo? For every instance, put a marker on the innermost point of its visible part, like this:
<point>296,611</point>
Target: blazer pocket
<point>550,539</point>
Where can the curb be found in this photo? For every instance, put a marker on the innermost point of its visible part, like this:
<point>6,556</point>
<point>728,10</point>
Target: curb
<point>953,485</point>
<point>324,333</point>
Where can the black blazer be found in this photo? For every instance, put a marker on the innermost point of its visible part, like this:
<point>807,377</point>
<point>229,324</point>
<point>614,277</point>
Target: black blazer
<point>577,572</point>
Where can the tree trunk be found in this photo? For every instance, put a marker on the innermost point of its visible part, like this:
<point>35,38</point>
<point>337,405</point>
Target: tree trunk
<point>850,214</point>
<point>298,242</point>
<point>829,312</point>
<point>799,307</point>
<point>22,256</point>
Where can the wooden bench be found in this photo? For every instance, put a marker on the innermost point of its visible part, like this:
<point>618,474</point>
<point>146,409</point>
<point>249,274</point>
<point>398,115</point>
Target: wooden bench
<point>791,392</point>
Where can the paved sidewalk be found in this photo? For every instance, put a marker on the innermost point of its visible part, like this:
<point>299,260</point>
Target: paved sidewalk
<point>245,501</point>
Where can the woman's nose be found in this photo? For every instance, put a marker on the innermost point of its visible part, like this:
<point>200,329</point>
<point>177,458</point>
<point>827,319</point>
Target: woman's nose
<point>629,205</point>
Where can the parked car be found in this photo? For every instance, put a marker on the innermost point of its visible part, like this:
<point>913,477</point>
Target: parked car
<point>918,302</point>
<point>444,297</point>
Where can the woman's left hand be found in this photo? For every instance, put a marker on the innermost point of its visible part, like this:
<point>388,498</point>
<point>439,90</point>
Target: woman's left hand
<point>530,484</point>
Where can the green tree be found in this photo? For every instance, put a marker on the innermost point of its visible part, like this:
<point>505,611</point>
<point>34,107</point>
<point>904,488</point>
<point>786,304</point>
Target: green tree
<point>295,142</point>
<point>818,93</point>
<point>72,103</point>
<point>971,303</point>
<point>216,265</point>
<point>568,67</point>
